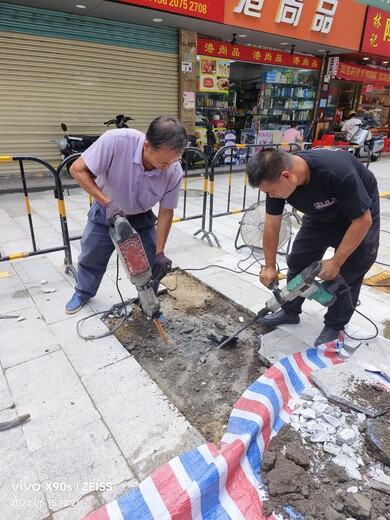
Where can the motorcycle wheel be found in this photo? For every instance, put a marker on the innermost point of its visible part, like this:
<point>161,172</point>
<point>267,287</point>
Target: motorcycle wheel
<point>375,156</point>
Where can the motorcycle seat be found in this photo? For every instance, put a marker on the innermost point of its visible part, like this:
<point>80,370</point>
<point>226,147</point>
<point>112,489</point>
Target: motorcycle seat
<point>91,138</point>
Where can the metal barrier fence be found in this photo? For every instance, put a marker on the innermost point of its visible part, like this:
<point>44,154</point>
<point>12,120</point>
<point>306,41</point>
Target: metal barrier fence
<point>191,156</point>
<point>59,195</point>
<point>230,153</point>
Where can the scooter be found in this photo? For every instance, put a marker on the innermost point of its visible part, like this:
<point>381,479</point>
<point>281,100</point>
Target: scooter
<point>363,138</point>
<point>71,144</point>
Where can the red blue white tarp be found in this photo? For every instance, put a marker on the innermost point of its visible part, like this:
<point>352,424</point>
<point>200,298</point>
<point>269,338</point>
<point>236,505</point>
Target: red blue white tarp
<point>208,483</point>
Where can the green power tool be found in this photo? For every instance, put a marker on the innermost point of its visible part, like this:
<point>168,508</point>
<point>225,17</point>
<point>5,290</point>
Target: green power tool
<point>303,284</point>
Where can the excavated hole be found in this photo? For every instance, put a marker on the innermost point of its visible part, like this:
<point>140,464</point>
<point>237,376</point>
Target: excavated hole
<point>202,381</point>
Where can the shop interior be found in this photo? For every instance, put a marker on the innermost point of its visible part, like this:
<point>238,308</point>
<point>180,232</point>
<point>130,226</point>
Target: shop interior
<point>372,104</point>
<point>252,103</point>
<point>256,102</point>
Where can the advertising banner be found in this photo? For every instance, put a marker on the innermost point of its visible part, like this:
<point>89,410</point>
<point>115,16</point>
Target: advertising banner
<point>207,47</point>
<point>213,74</point>
<point>376,36</point>
<point>212,10</point>
<point>353,72</point>
<point>322,21</point>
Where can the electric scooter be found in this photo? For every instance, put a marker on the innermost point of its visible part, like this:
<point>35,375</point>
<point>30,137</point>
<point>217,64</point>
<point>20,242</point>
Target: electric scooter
<point>71,144</point>
<point>363,138</point>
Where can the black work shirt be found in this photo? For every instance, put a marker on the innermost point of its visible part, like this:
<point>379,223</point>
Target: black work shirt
<point>340,188</point>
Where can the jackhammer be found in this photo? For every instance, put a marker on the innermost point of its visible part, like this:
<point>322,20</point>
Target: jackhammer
<point>132,254</point>
<point>303,284</point>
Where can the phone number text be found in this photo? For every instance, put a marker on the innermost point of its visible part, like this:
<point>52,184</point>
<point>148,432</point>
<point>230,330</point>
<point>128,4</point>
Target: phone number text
<point>188,5</point>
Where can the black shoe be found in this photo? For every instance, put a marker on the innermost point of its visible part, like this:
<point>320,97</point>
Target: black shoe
<point>280,318</point>
<point>326,336</point>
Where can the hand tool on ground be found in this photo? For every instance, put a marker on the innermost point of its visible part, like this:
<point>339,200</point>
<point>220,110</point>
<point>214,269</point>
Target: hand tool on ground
<point>132,254</point>
<point>14,422</point>
<point>303,284</point>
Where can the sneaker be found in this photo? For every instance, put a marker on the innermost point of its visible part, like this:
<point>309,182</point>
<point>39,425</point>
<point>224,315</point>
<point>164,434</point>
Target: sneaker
<point>280,318</point>
<point>326,336</point>
<point>74,304</point>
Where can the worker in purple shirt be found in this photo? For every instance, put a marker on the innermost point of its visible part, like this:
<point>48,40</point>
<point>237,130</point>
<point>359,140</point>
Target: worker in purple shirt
<point>133,172</point>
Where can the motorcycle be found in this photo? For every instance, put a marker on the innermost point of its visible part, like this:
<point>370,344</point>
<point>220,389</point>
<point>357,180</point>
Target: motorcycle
<point>71,144</point>
<point>370,145</point>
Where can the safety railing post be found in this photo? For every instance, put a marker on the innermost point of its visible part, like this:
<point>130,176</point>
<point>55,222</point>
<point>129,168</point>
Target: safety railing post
<point>69,267</point>
<point>27,203</point>
<point>58,190</point>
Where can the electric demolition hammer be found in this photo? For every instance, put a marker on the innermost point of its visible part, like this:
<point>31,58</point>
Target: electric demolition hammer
<point>132,254</point>
<point>303,284</point>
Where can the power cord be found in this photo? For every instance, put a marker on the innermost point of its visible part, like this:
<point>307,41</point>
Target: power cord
<point>123,303</point>
<point>114,308</point>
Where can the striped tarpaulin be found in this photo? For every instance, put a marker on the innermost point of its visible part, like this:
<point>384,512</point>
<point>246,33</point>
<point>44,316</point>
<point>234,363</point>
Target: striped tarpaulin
<point>208,483</point>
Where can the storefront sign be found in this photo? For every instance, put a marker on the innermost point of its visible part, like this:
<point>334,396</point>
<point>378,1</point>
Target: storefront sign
<point>353,72</point>
<point>376,36</point>
<point>216,48</point>
<point>320,21</point>
<point>212,10</point>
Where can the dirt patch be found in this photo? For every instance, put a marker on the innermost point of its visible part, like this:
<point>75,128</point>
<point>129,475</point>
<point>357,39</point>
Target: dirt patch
<point>366,396</point>
<point>303,482</point>
<point>202,381</point>
<point>300,478</point>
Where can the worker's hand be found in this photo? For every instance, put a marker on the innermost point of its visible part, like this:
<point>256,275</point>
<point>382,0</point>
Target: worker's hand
<point>268,275</point>
<point>330,269</point>
<point>163,262</point>
<point>113,210</point>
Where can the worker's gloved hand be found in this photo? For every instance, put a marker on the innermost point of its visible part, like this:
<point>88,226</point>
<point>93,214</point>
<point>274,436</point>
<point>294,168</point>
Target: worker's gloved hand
<point>163,262</point>
<point>112,210</point>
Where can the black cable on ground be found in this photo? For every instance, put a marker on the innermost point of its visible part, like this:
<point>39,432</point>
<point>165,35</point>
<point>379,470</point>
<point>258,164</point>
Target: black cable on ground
<point>113,308</point>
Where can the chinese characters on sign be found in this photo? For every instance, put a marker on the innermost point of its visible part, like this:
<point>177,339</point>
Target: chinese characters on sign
<point>290,11</point>
<point>376,36</point>
<point>363,74</point>
<point>249,7</point>
<point>322,21</point>
<point>215,48</point>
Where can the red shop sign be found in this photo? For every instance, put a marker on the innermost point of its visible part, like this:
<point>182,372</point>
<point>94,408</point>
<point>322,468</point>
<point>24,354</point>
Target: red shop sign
<point>206,47</point>
<point>212,10</point>
<point>376,36</point>
<point>362,74</point>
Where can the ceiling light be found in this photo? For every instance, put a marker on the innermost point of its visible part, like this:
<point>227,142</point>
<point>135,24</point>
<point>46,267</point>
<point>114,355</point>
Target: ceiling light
<point>385,62</point>
<point>284,43</point>
<point>242,35</point>
<point>366,59</point>
<point>320,50</point>
<point>81,6</point>
<point>157,20</point>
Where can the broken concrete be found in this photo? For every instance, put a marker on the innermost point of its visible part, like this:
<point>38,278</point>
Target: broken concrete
<point>359,383</point>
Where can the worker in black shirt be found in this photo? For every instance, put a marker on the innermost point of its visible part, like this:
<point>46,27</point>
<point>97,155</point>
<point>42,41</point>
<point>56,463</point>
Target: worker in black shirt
<point>339,198</point>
